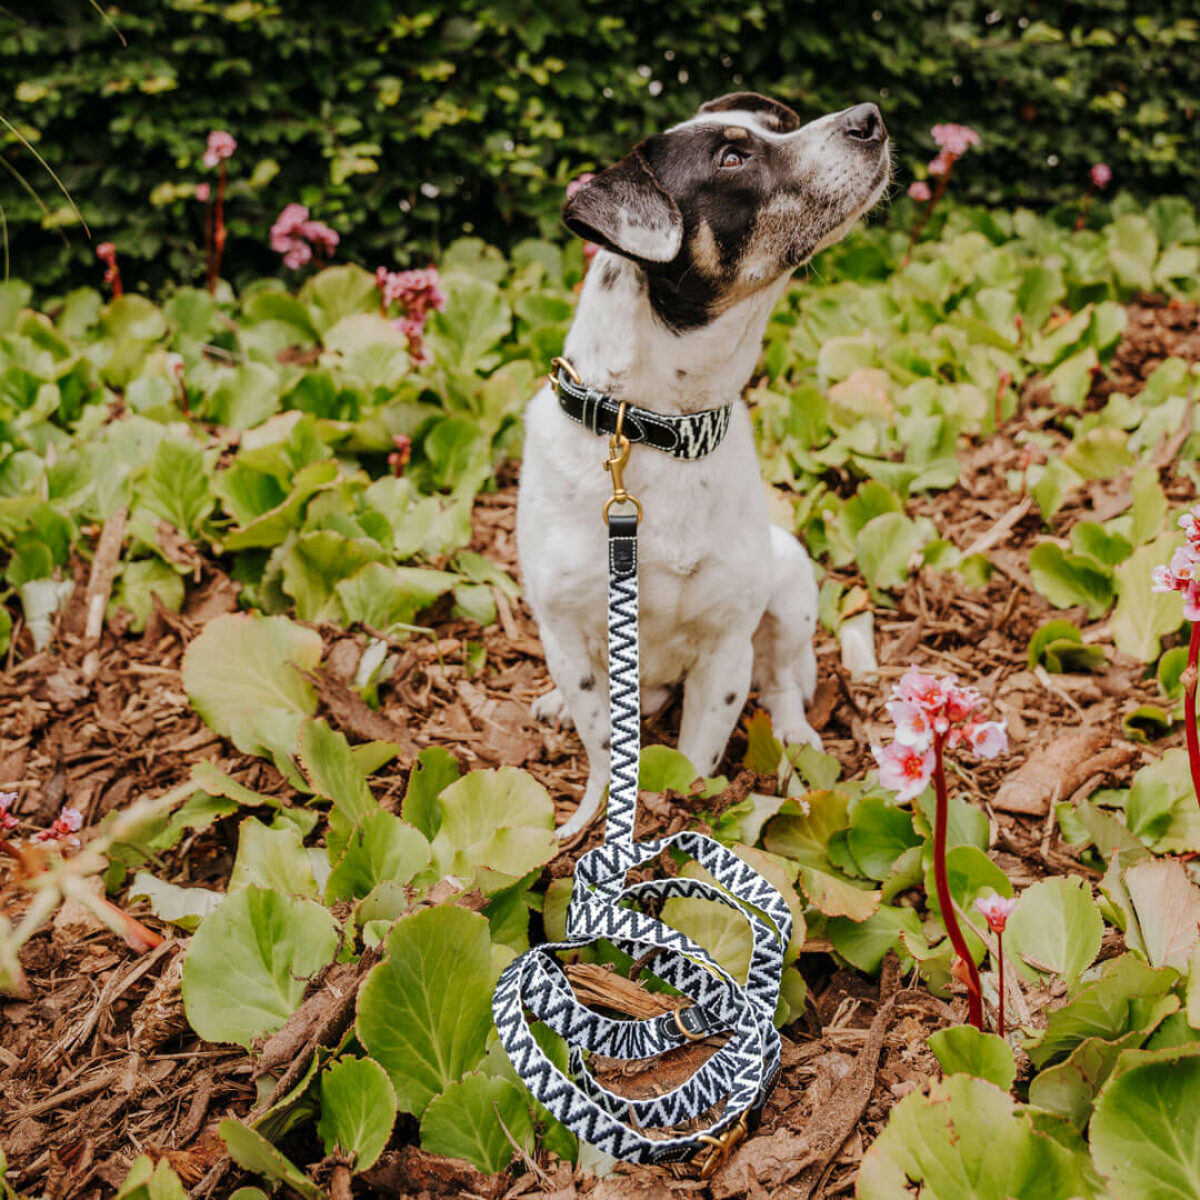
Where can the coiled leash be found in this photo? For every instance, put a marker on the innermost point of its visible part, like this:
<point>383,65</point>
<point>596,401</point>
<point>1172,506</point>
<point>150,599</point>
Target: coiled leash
<point>534,987</point>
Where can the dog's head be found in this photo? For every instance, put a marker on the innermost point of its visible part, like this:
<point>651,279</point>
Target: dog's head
<point>728,202</point>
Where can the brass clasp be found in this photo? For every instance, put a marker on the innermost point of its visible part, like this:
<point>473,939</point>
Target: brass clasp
<point>618,456</point>
<point>555,365</point>
<point>722,1147</point>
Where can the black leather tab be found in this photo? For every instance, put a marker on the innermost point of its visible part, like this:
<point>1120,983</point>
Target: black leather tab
<point>622,544</point>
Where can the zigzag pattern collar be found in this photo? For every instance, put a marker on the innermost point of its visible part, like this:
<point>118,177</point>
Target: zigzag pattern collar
<point>689,436</point>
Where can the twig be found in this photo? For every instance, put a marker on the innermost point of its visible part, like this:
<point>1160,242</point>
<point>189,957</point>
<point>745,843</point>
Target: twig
<point>522,1153</point>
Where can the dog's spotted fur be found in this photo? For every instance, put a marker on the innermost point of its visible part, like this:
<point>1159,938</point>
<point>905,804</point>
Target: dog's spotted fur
<point>701,228</point>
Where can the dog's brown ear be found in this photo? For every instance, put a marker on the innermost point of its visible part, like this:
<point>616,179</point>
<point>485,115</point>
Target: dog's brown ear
<point>625,209</point>
<point>779,115</point>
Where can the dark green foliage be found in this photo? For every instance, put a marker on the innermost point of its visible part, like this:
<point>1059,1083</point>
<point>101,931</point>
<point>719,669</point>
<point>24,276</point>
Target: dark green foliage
<point>351,108</point>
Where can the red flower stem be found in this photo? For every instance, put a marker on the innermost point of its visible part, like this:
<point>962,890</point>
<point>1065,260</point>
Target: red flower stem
<point>214,270</point>
<point>1000,969</point>
<point>945,900</point>
<point>208,240</point>
<point>1189,707</point>
<point>1083,208</point>
<point>923,220</point>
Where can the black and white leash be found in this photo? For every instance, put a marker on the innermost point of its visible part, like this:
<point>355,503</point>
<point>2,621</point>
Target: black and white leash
<point>714,1109</point>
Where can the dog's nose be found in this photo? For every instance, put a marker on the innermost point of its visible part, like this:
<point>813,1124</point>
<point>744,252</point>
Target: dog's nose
<point>862,123</point>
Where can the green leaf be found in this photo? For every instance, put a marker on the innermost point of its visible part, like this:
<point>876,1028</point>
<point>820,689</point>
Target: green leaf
<point>660,768</point>
<point>879,833</point>
<point>175,486</point>
<point>966,1140</point>
<point>358,1110</point>
<point>243,396</point>
<point>464,1122</point>
<point>434,771</point>
<point>147,1180</point>
<point>963,1048</point>
<point>1167,905</point>
<point>140,582</point>
<point>1128,995</point>
<point>1100,453</point>
<point>721,930</point>
<point>424,1012</point>
<point>332,770</point>
<point>336,292</point>
<point>1069,1088</point>
<point>243,663</point>
<point>249,963</point>
<point>496,827</point>
<point>1058,645</point>
<point>271,526</point>
<point>316,562</point>
<point>475,318</point>
<point>1069,579</point>
<point>185,907</point>
<point>1142,616</point>
<point>382,847</point>
<point>1145,1133</point>
<point>884,548</point>
<point>1057,923</point>
<point>383,597</point>
<point>272,858</point>
<point>864,944</point>
<point>253,1152</point>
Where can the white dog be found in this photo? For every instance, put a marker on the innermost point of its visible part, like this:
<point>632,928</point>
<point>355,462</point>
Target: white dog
<point>701,228</point>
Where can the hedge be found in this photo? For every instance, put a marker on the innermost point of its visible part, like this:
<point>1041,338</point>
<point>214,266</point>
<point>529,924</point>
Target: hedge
<point>404,125</point>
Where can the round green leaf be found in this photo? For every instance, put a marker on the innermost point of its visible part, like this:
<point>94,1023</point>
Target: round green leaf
<point>249,1149</point>
<point>879,834</point>
<point>964,1049</point>
<point>242,663</point>
<point>1145,1132</point>
<point>249,963</point>
<point>358,1110</point>
<point>464,1121</point>
<point>1057,923</point>
<point>424,1012</point>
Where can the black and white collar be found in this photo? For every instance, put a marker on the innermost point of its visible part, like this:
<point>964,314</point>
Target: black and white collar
<point>687,436</point>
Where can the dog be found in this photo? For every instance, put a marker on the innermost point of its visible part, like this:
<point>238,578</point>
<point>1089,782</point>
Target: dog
<point>699,229</point>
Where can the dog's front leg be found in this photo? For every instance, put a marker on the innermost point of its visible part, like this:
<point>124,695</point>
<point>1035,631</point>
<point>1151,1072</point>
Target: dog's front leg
<point>713,695</point>
<point>583,688</point>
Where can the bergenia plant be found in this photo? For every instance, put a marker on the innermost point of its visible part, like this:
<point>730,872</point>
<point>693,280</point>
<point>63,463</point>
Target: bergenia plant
<point>418,293</point>
<point>1099,177</point>
<point>933,715</point>
<point>996,910</point>
<point>298,237</point>
<point>1182,574</point>
<point>952,141</point>
<point>217,152</point>
<point>106,252</point>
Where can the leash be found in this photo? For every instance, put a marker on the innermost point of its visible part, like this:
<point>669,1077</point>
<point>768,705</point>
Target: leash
<point>714,1110</point>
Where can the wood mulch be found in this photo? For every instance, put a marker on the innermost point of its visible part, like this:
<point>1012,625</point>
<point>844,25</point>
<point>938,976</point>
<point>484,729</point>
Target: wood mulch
<point>96,1061</point>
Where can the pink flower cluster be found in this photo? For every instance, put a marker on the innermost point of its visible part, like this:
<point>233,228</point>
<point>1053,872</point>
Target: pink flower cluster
<point>996,910</point>
<point>1182,573</point>
<point>203,192</point>
<point>919,190</point>
<point>66,825</point>
<point>221,146</point>
<point>926,710</point>
<point>294,236</point>
<point>7,821</point>
<point>1101,175</point>
<point>954,139</point>
<point>419,293</point>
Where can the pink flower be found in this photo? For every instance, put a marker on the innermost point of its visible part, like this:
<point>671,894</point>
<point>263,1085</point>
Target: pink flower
<point>996,910</point>
<point>106,252</point>
<point>1101,175</point>
<point>317,233</point>
<point>941,165</point>
<point>913,726</point>
<point>1182,574</point>
<point>904,770</point>
<point>287,226</point>
<point>295,236</point>
<point>220,146</point>
<point>577,183</point>
<point>919,191</point>
<point>988,739</point>
<point>590,249</point>
<point>203,192</point>
<point>399,458</point>
<point>63,830</point>
<point>1190,524</point>
<point>7,821</point>
<point>954,139</point>
<point>419,293</point>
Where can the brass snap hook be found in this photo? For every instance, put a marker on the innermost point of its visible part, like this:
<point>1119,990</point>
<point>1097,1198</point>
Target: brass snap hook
<point>558,363</point>
<point>722,1147</point>
<point>618,455</point>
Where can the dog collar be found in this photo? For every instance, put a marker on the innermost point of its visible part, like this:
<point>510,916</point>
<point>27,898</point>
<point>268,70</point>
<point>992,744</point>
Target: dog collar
<point>688,436</point>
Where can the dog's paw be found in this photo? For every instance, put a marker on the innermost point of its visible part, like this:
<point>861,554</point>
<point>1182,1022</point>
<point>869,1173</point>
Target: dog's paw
<point>800,734</point>
<point>551,709</point>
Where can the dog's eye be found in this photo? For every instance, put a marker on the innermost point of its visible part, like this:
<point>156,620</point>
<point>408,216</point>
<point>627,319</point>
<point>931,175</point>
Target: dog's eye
<point>732,158</point>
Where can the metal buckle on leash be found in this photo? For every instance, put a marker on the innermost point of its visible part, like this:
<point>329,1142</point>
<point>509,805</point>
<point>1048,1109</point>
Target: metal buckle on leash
<point>618,456</point>
<point>722,1147</point>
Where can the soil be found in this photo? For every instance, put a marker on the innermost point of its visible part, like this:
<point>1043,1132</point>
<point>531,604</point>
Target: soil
<point>97,1064</point>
